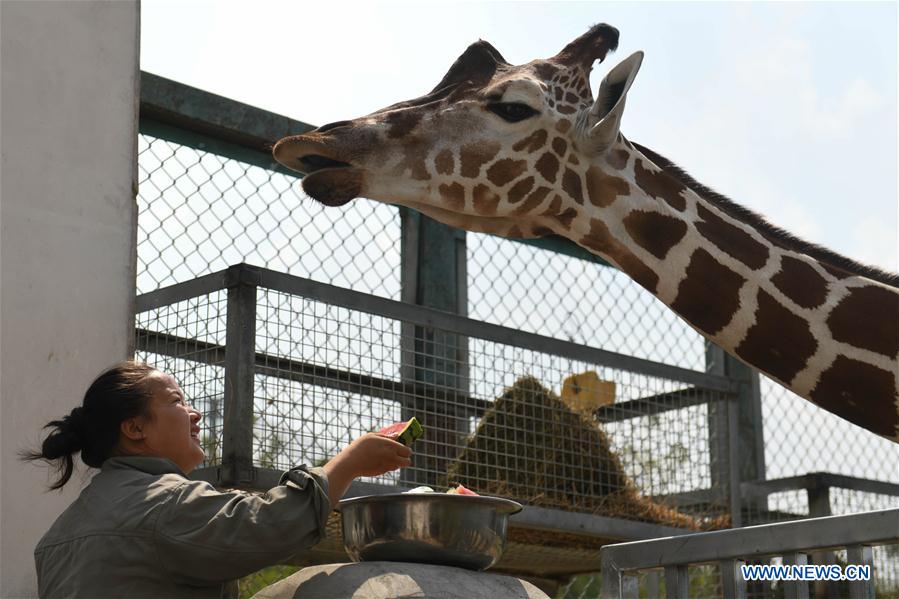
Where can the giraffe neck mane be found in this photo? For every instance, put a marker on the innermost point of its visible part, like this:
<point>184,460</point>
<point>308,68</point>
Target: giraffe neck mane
<point>775,234</point>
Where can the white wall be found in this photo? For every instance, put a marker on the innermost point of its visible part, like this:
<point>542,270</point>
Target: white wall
<point>67,215</point>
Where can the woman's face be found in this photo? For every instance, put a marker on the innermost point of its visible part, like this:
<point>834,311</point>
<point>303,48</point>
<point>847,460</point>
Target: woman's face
<point>172,431</point>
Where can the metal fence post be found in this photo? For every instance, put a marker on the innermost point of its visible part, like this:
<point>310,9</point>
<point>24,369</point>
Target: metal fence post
<point>434,275</point>
<point>240,350</point>
<point>736,444</point>
<point>736,449</point>
<point>733,585</point>
<point>795,589</point>
<point>818,494</point>
<point>861,555</point>
<point>677,582</point>
<point>615,585</point>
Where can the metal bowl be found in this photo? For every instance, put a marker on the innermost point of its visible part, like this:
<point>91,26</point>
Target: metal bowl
<point>450,530</point>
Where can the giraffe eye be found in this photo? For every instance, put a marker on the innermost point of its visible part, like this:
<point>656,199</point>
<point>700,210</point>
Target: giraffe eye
<point>511,111</point>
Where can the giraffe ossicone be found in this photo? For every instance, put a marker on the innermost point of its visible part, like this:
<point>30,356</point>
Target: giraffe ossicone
<point>526,151</point>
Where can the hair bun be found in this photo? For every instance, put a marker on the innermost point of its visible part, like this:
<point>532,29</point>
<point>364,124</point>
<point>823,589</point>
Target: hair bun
<point>76,423</point>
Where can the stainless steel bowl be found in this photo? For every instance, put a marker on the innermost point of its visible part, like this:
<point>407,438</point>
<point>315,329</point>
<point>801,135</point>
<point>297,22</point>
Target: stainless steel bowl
<point>451,530</point>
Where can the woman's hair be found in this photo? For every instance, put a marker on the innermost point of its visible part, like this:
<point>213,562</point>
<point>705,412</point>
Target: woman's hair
<point>120,393</point>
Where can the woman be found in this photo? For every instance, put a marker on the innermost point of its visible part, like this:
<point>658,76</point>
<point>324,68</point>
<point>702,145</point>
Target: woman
<point>142,529</point>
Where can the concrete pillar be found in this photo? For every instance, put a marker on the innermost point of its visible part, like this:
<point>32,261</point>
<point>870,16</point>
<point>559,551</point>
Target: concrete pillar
<point>68,116</point>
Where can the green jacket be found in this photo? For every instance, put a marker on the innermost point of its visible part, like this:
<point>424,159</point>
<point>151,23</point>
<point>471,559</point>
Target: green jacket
<point>142,529</point>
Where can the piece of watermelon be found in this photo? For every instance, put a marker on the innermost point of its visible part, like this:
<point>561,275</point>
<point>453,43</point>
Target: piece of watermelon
<point>403,432</point>
<point>460,490</point>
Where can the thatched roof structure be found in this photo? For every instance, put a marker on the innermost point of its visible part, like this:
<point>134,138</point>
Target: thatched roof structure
<point>532,447</point>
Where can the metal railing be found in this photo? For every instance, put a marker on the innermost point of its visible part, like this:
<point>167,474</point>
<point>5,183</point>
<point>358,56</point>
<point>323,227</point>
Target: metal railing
<point>286,370</point>
<point>731,549</point>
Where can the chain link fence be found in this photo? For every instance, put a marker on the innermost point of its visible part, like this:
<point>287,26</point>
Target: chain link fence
<point>200,212</point>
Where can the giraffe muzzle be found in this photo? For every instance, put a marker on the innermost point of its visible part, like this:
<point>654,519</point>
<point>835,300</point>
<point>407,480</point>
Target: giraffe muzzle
<point>334,186</point>
<point>307,154</point>
<point>314,162</point>
<point>327,179</point>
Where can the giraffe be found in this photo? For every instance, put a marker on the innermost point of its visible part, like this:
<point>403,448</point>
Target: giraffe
<point>526,151</point>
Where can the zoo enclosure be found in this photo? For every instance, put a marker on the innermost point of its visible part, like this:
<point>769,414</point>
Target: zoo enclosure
<point>211,196</point>
<point>286,370</point>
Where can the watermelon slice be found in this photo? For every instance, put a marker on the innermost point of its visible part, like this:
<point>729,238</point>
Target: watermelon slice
<point>403,432</point>
<point>460,490</point>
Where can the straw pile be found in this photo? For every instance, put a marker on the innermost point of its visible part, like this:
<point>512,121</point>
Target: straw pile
<point>530,446</point>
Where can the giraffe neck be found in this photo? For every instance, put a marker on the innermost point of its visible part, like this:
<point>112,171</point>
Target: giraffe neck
<point>819,330</point>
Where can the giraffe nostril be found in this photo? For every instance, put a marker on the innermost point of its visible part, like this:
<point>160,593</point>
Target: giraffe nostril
<point>333,125</point>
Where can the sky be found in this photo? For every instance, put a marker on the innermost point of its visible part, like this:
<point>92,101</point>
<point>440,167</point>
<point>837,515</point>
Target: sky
<point>788,109</point>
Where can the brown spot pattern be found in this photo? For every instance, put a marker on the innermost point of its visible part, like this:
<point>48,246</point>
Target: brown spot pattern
<point>851,321</point>
<point>600,240</point>
<point>485,200</point>
<point>654,232</point>
<point>708,296</point>
<point>571,98</point>
<point>779,343</point>
<point>731,239</point>
<point>505,170</point>
<point>541,231</point>
<point>566,109</point>
<point>800,282</point>
<point>617,159</point>
<point>560,146</point>
<point>454,195</point>
<point>533,200</point>
<point>532,142</point>
<point>660,185</point>
<point>572,159</point>
<point>545,70</point>
<point>445,163</point>
<point>413,159</point>
<point>566,217</point>
<point>563,126</point>
<point>861,393</point>
<point>571,184</point>
<point>602,189</point>
<point>548,166</point>
<point>472,156</point>
<point>402,122</point>
<point>520,189</point>
<point>515,232</point>
<point>554,207</point>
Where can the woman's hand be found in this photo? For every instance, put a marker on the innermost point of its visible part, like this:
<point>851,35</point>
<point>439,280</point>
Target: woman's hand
<point>369,455</point>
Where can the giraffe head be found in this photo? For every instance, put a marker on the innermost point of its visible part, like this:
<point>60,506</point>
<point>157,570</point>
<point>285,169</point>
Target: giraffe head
<point>494,147</point>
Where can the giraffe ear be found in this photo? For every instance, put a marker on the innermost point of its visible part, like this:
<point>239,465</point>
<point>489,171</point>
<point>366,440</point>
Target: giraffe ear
<point>605,115</point>
<point>478,63</point>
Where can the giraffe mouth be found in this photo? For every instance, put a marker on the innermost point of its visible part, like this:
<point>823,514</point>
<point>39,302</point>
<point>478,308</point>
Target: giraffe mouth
<point>308,154</point>
<point>333,186</point>
<point>327,180</point>
<point>316,162</point>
